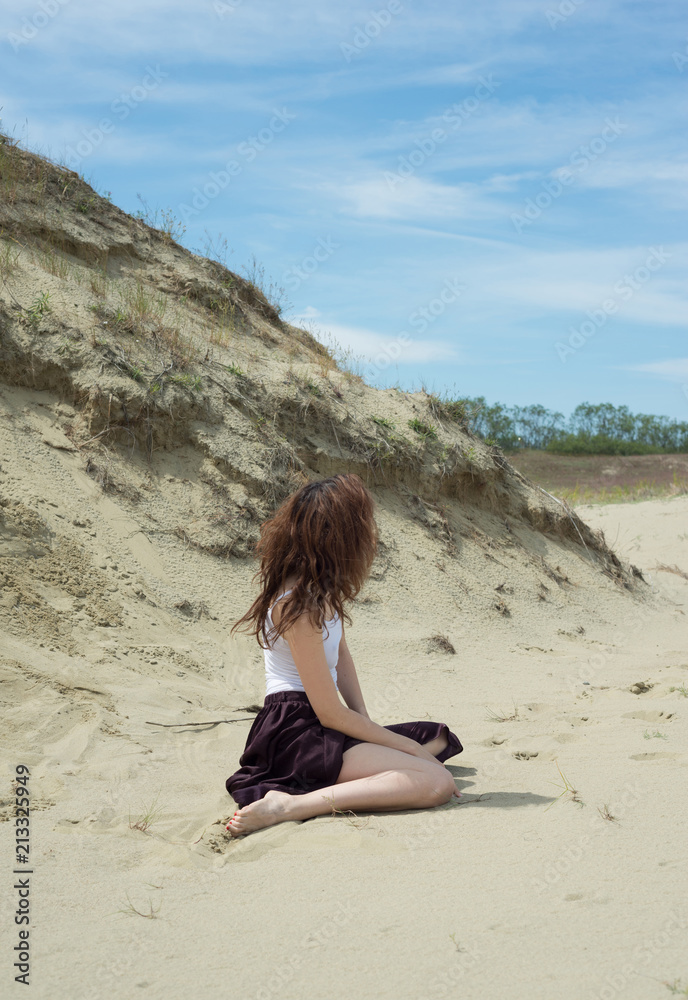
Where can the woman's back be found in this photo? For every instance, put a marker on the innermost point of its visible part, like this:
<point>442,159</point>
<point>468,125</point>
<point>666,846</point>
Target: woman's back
<point>281,673</point>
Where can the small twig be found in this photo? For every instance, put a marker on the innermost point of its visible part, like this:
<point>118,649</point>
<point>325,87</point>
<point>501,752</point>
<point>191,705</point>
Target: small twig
<point>172,725</point>
<point>94,437</point>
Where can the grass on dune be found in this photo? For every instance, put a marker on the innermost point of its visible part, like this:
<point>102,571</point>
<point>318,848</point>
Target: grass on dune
<point>623,494</point>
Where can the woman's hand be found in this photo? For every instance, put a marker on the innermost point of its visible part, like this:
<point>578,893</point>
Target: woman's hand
<point>418,750</point>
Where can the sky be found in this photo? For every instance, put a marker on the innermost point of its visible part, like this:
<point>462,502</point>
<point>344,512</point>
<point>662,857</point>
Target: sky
<point>479,199</point>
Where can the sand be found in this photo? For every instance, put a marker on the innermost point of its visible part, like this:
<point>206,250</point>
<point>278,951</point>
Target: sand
<point>519,891</point>
<point>128,506</point>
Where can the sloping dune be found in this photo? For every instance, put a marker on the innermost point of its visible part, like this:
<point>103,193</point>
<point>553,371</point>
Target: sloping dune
<point>154,408</point>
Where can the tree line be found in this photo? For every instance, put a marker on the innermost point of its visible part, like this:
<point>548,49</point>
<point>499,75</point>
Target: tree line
<point>592,428</point>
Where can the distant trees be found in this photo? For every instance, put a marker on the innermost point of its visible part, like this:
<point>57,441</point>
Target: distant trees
<point>592,428</point>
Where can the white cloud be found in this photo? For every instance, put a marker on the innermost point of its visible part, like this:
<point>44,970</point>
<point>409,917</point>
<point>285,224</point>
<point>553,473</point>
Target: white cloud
<point>412,198</point>
<point>662,181</point>
<point>508,182</point>
<point>308,314</point>
<point>675,370</point>
<point>251,33</point>
<point>462,73</point>
<point>513,290</point>
<point>624,172</point>
<point>375,347</point>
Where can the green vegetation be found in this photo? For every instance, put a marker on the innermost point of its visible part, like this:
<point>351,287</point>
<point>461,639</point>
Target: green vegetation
<point>235,370</point>
<point>134,370</point>
<point>140,304</point>
<point>424,430</point>
<point>626,493</point>
<point>87,203</point>
<point>39,306</point>
<point>68,344</point>
<point>190,381</point>
<point>677,988</point>
<point>593,428</point>
<point>602,444</point>
<point>9,259</point>
<point>147,817</point>
<point>11,172</point>
<point>460,411</point>
<point>383,422</point>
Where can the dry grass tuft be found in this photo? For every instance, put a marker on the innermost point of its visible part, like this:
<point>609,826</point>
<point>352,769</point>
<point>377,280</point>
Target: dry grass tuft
<point>147,818</point>
<point>566,789</point>
<point>150,914</point>
<point>441,643</point>
<point>605,814</point>
<point>493,716</point>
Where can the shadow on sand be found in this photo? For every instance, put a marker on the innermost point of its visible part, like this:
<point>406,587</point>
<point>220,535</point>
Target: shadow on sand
<point>498,800</point>
<point>506,800</point>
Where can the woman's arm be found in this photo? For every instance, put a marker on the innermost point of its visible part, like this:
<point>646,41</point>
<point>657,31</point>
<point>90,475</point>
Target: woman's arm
<point>306,645</point>
<point>347,680</point>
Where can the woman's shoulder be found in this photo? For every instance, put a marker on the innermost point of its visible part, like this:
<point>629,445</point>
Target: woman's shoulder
<point>276,612</point>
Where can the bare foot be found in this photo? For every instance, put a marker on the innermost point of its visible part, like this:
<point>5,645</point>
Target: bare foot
<point>272,808</point>
<point>437,745</point>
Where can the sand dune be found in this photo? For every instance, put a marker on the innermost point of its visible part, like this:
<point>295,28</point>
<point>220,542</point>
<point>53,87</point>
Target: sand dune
<point>124,562</point>
<point>543,896</point>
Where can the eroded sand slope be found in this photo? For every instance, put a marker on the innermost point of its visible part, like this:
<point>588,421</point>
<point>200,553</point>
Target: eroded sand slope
<point>136,465</point>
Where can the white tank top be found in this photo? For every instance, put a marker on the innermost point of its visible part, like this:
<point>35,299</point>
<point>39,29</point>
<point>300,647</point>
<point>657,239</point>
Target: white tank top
<point>281,673</point>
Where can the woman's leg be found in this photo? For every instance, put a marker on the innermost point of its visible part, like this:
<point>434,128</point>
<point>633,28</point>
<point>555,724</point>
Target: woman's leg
<point>372,778</point>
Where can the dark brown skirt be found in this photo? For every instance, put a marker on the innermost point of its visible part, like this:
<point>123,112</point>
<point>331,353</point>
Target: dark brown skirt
<point>288,750</point>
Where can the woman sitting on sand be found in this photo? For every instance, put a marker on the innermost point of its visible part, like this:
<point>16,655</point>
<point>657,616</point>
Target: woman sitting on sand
<point>306,753</point>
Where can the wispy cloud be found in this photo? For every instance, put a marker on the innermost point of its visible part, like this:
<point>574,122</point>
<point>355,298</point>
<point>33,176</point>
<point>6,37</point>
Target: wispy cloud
<point>412,199</point>
<point>675,369</point>
<point>371,344</point>
<point>358,121</point>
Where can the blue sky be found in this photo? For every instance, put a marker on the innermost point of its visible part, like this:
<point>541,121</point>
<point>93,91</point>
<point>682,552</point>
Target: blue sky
<point>488,199</point>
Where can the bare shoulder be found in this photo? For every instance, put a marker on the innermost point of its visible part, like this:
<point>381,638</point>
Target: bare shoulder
<point>304,621</point>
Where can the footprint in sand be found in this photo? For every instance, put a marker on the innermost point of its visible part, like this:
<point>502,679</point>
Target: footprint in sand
<point>525,754</point>
<point>649,716</point>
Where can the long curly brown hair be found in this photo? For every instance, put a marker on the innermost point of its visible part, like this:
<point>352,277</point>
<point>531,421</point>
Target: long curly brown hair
<point>325,536</point>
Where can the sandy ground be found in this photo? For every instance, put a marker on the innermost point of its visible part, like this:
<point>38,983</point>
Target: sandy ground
<point>116,601</point>
<point>519,892</point>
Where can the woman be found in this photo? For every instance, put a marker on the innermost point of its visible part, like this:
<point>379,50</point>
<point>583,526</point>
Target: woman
<point>307,753</point>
